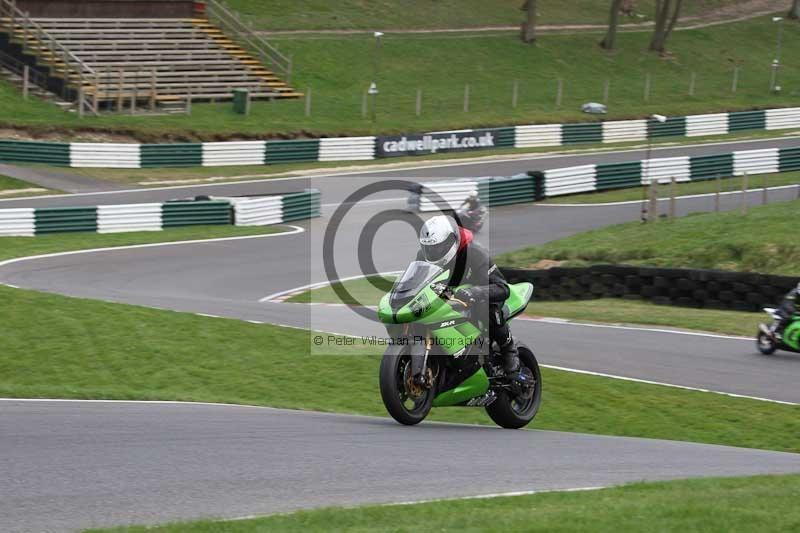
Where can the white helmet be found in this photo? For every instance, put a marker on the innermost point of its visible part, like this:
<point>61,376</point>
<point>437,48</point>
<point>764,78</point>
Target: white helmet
<point>439,239</point>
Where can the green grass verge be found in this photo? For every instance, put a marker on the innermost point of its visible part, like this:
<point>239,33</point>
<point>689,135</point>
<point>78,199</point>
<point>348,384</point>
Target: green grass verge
<point>618,311</point>
<point>12,247</point>
<point>424,14</point>
<point>744,504</point>
<point>489,64</point>
<point>93,349</point>
<point>764,240</point>
<point>607,311</point>
<point>11,187</point>
<point>683,189</point>
<point>8,184</point>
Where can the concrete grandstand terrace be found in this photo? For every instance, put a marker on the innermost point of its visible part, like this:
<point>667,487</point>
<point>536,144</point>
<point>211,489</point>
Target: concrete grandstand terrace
<point>128,59</point>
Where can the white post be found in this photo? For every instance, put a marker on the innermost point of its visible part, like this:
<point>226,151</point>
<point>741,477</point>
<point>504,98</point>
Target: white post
<point>515,94</point>
<point>25,81</point>
<point>560,93</point>
<point>744,194</point>
<point>466,98</point>
<point>419,102</point>
<point>308,102</point>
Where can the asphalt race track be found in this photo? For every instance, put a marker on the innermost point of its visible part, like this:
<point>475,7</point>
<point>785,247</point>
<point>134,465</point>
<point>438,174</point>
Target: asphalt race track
<point>83,464</point>
<point>74,465</point>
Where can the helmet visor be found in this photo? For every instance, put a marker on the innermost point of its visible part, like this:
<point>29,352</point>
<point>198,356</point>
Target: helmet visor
<point>436,252</point>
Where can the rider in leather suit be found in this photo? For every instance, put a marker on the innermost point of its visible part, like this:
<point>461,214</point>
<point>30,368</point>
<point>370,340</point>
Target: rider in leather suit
<point>447,245</point>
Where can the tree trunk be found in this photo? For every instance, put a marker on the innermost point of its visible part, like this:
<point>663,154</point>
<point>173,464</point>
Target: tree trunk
<point>610,40</point>
<point>794,12</point>
<point>666,19</point>
<point>529,26</point>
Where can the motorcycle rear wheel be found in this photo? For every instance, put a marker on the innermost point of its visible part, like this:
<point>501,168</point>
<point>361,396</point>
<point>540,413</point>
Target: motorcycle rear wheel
<point>399,402</point>
<point>513,413</point>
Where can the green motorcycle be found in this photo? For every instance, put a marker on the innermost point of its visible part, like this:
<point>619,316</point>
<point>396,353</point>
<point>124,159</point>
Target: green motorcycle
<point>767,341</point>
<point>438,354</point>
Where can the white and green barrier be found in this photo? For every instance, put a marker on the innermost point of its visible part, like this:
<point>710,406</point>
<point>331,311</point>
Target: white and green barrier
<point>212,154</point>
<point>28,222</point>
<point>261,211</point>
<point>538,185</point>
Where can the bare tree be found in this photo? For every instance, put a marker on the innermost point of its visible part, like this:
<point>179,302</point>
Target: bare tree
<point>529,26</point>
<point>667,13</point>
<point>794,12</point>
<point>609,42</point>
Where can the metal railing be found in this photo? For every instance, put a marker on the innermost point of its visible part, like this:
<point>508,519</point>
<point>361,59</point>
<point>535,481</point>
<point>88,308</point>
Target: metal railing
<point>33,36</point>
<point>15,66</point>
<point>231,23</point>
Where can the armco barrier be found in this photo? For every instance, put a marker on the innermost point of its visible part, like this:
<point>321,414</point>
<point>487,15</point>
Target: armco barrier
<point>172,155</point>
<point>347,149</point>
<point>538,136</point>
<point>191,213</point>
<point>570,180</point>
<point>262,211</point>
<point>747,120</point>
<point>707,167</point>
<point>619,175</point>
<point>673,127</point>
<point>756,162</point>
<point>301,205</point>
<point>664,169</point>
<point>105,155</point>
<point>704,125</point>
<point>670,286</point>
<point>365,148</point>
<point>65,219</point>
<point>624,131</point>
<point>154,217</point>
<point>258,211</point>
<point>539,185</point>
<point>35,152</point>
<point>17,222</point>
<point>778,119</point>
<point>582,133</point>
<point>789,159</point>
<point>505,191</point>
<point>450,193</point>
<point>234,153</point>
<point>291,151</point>
<point>131,217</point>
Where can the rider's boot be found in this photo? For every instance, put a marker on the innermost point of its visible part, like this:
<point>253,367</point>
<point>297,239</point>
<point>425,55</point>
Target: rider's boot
<point>510,356</point>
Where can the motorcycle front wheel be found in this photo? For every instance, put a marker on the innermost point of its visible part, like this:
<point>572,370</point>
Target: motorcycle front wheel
<point>407,403</point>
<point>512,412</point>
<point>765,343</point>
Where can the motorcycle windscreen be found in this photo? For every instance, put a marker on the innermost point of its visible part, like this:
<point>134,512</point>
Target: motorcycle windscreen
<point>417,276</point>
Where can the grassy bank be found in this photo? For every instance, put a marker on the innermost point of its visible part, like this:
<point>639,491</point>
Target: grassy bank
<point>94,349</point>
<point>683,189</point>
<point>762,241</point>
<point>490,65</point>
<point>745,504</point>
<point>12,247</point>
<point>424,14</point>
<point>10,187</point>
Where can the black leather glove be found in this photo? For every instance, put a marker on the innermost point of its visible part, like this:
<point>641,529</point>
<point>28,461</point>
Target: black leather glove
<point>471,295</point>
